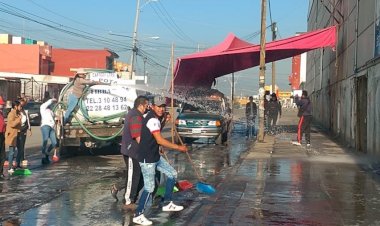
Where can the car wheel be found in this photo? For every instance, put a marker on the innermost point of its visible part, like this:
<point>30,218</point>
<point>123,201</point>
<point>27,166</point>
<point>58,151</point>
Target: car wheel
<point>224,137</point>
<point>176,140</point>
<point>219,140</point>
<point>188,140</point>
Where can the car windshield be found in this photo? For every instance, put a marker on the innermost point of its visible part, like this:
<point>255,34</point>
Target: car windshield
<point>203,106</point>
<point>32,106</point>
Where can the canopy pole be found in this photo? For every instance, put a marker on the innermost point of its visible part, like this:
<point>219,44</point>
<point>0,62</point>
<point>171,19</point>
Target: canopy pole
<point>232,92</point>
<point>172,95</point>
<point>260,136</point>
<point>274,36</point>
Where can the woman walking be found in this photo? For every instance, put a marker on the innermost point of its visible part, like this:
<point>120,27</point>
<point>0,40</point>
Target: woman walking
<point>11,132</point>
<point>24,131</point>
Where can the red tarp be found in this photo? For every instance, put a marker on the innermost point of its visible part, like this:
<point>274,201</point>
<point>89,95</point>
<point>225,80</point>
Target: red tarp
<point>234,54</point>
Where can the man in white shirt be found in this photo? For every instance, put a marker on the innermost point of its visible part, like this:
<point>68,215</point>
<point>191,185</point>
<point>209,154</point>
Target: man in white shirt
<point>150,159</point>
<point>47,129</point>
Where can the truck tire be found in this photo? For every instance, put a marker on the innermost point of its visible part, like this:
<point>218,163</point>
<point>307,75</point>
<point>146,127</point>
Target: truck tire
<point>66,151</point>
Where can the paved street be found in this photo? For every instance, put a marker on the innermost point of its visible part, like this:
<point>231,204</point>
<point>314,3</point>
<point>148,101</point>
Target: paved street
<point>269,183</point>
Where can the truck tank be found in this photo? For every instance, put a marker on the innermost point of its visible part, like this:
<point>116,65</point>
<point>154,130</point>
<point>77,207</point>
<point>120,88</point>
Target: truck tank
<point>98,118</point>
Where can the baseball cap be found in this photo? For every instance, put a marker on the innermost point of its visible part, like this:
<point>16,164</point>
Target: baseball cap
<point>81,71</point>
<point>159,101</point>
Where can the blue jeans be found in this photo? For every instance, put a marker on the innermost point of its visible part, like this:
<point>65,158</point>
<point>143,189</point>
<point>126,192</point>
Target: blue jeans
<point>48,133</point>
<point>148,171</point>
<point>250,126</point>
<point>11,154</point>
<point>21,138</point>
<point>72,102</point>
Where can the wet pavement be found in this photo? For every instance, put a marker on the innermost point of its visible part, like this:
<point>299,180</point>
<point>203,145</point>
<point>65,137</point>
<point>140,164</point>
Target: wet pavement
<point>269,183</point>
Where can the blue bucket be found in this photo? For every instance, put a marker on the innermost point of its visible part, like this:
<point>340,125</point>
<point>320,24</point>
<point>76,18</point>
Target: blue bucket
<point>205,188</point>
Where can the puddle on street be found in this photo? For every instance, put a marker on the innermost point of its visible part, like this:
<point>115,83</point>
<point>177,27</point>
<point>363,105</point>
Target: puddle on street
<point>76,190</point>
<point>275,191</point>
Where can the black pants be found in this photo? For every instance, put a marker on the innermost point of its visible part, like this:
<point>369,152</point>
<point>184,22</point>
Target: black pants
<point>133,182</point>
<point>2,152</point>
<point>272,120</point>
<point>304,128</point>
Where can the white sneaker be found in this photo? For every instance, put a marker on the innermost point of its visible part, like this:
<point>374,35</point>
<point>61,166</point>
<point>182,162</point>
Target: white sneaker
<point>11,171</point>
<point>172,207</point>
<point>142,220</point>
<point>307,145</point>
<point>296,143</point>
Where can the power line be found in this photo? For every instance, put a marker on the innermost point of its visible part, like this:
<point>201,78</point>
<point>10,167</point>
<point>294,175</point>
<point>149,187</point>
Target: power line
<point>169,22</point>
<point>58,27</point>
<point>270,12</point>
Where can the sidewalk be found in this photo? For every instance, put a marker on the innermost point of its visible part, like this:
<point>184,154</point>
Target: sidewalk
<point>278,183</point>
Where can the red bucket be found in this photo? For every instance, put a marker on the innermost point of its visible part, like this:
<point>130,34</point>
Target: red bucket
<point>184,185</point>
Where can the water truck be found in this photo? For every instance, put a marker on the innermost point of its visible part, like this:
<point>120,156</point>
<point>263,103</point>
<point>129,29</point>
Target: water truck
<point>99,116</point>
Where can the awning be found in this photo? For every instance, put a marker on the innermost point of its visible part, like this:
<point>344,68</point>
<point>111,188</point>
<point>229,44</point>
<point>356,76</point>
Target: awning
<point>233,54</point>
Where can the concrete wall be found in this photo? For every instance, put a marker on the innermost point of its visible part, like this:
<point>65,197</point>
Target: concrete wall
<point>65,59</point>
<point>373,116</point>
<point>341,102</point>
<point>20,58</point>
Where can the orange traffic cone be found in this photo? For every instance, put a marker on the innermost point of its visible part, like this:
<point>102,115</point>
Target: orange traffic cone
<point>55,156</point>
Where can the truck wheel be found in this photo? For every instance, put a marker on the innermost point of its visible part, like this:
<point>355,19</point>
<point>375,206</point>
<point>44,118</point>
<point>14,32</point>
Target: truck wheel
<point>66,151</point>
<point>62,151</point>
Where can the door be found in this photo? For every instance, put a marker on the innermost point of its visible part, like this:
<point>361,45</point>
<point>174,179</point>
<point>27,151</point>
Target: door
<point>361,116</point>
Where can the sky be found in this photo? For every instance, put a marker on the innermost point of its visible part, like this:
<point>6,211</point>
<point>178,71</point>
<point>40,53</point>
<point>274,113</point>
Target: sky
<point>188,25</point>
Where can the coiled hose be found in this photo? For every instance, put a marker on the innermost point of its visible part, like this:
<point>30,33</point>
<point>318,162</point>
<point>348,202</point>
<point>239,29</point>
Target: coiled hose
<point>87,117</point>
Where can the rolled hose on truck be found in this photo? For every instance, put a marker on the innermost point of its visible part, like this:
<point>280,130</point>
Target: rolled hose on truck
<point>84,113</point>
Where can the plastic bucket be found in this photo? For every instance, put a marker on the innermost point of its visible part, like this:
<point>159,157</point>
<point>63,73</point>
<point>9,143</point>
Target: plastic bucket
<point>22,172</point>
<point>161,190</point>
<point>205,188</point>
<point>184,185</point>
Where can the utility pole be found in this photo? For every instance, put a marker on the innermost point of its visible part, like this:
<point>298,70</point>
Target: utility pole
<point>260,136</point>
<point>232,92</point>
<point>145,70</point>
<point>134,39</point>
<point>172,95</point>
<point>274,36</point>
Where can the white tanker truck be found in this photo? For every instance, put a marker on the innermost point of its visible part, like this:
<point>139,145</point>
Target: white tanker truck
<point>98,118</point>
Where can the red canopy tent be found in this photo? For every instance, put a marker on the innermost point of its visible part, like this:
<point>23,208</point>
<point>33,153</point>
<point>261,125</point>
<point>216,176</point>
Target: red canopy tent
<point>233,54</point>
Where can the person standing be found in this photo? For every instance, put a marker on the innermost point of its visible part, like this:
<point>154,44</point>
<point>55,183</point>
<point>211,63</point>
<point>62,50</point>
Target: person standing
<point>274,110</point>
<point>305,114</point>
<point>129,144</point>
<point>12,129</point>
<point>2,139</point>
<point>24,131</point>
<point>250,114</point>
<point>79,83</point>
<point>150,160</point>
<point>47,129</point>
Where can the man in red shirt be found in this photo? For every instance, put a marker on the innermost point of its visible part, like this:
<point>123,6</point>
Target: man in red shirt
<point>129,145</point>
<point>2,133</point>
